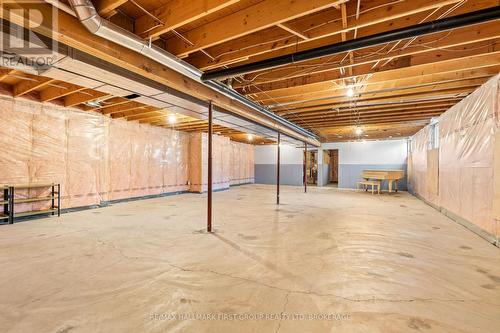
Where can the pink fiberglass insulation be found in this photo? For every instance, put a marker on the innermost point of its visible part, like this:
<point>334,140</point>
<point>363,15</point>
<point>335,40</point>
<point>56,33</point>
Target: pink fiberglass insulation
<point>232,162</point>
<point>15,145</point>
<point>84,156</point>
<point>96,158</point>
<point>48,163</point>
<point>120,154</point>
<point>466,143</point>
<point>139,162</point>
<point>181,161</point>
<point>155,160</point>
<point>195,162</point>
<point>169,171</point>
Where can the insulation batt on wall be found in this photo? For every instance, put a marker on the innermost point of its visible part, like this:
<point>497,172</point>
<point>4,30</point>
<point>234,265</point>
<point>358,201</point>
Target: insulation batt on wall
<point>465,162</point>
<point>97,159</point>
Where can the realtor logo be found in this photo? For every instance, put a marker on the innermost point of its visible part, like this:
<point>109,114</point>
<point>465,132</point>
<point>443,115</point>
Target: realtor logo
<point>21,41</point>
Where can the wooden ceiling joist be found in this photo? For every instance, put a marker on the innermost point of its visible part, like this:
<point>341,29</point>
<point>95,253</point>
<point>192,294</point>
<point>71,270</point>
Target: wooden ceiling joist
<point>259,16</point>
<point>29,84</point>
<point>396,71</point>
<point>453,45</point>
<point>83,96</point>
<point>106,8</point>
<point>60,90</point>
<point>176,13</point>
<point>448,88</point>
<point>380,16</point>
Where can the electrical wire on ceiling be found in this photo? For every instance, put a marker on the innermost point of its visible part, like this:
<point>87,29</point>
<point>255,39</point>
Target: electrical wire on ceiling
<point>277,40</point>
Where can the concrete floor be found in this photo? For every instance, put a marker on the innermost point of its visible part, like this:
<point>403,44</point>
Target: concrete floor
<point>352,261</point>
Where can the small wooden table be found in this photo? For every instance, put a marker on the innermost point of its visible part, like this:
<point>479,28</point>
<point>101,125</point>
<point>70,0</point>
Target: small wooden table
<point>392,176</point>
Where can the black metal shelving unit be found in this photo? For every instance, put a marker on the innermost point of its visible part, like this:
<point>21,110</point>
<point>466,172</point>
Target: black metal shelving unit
<point>9,200</point>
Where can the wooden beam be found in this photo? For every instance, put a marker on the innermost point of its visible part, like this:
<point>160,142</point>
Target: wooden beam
<point>130,105</point>
<point>176,13</point>
<point>385,16</point>
<point>82,96</point>
<point>73,34</point>
<point>377,120</point>
<point>444,45</point>
<point>429,74</point>
<point>26,86</point>
<point>139,113</point>
<point>366,85</point>
<point>329,113</point>
<point>4,73</point>
<point>354,115</point>
<point>288,28</point>
<point>62,89</point>
<point>441,93</point>
<point>106,8</point>
<point>398,69</point>
<point>259,16</point>
<point>380,94</point>
<point>401,102</point>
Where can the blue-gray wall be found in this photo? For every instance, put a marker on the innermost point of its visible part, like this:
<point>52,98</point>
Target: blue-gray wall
<point>290,174</point>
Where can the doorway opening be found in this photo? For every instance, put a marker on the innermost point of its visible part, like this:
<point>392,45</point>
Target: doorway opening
<point>333,167</point>
<point>312,167</point>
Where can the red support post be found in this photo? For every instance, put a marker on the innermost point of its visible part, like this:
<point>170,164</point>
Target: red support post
<point>305,167</point>
<point>278,172</point>
<point>209,189</point>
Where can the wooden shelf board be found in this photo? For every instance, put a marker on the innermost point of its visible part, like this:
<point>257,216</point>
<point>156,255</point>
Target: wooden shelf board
<point>34,212</point>
<point>25,186</point>
<point>33,199</point>
<point>4,217</point>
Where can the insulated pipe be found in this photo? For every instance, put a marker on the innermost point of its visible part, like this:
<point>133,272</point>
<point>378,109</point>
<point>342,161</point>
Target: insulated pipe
<point>209,189</point>
<point>95,24</point>
<point>278,172</point>
<point>445,24</point>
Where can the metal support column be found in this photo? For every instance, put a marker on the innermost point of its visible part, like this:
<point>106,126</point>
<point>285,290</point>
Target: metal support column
<point>305,167</point>
<point>209,189</point>
<point>278,172</point>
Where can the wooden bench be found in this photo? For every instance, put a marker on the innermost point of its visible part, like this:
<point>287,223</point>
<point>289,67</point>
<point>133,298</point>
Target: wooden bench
<point>371,183</point>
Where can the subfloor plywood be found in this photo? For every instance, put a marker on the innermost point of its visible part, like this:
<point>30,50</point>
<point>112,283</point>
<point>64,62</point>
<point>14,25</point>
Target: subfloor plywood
<point>353,261</point>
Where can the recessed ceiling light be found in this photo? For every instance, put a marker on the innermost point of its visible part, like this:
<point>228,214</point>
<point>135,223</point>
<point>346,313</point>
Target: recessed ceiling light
<point>358,130</point>
<point>350,91</point>
<point>172,118</point>
<point>249,137</point>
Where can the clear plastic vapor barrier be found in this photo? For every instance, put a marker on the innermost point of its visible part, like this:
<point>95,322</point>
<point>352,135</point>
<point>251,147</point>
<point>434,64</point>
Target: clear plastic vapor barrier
<point>460,174</point>
<point>96,158</point>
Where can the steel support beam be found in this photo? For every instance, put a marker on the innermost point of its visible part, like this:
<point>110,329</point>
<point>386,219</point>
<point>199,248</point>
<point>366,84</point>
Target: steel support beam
<point>209,187</point>
<point>278,172</point>
<point>305,167</point>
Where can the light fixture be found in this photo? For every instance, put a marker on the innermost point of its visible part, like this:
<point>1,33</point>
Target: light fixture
<point>172,118</point>
<point>358,130</point>
<point>350,91</point>
<point>94,104</point>
<point>249,137</point>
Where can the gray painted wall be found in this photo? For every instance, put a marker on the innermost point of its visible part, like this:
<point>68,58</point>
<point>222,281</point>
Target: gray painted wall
<point>349,174</point>
<point>290,174</point>
<point>354,157</point>
<point>325,174</point>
